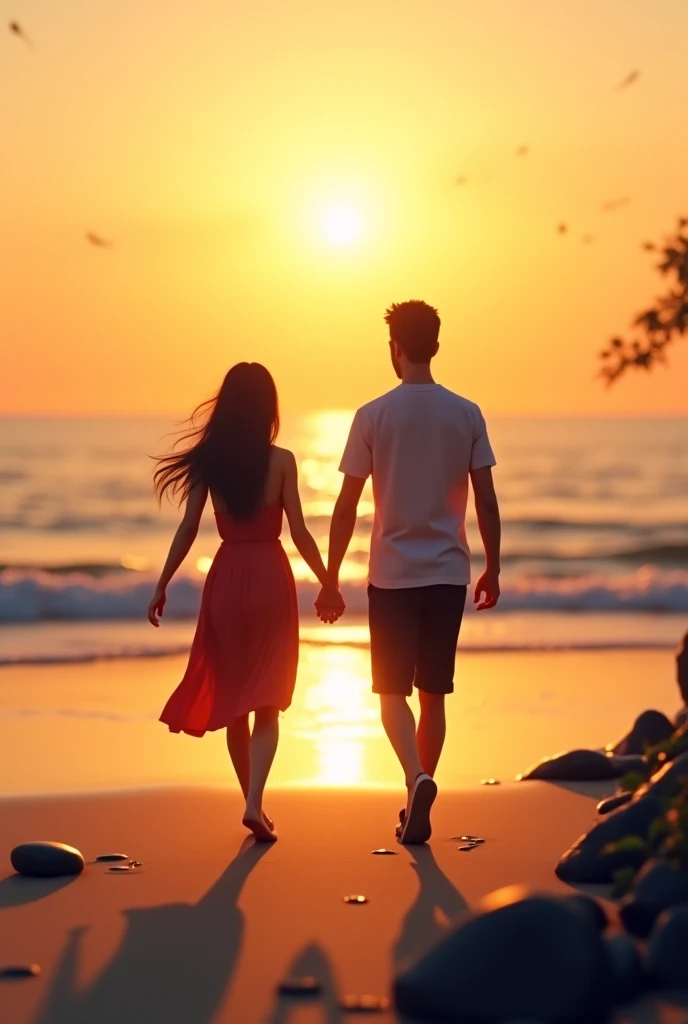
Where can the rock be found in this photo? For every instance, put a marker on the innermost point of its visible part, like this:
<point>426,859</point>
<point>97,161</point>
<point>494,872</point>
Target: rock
<point>630,764</point>
<point>355,899</point>
<point>572,766</point>
<point>16,971</point>
<point>46,860</point>
<point>384,853</point>
<point>301,986</point>
<point>667,781</point>
<point>468,846</point>
<point>629,975</point>
<point>589,908</point>
<point>532,958</point>
<point>611,803</point>
<point>587,861</point>
<point>657,887</point>
<point>490,782</point>
<point>106,857</point>
<point>649,728</point>
<point>667,961</point>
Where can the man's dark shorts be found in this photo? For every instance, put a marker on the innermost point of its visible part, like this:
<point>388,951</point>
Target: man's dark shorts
<point>413,636</point>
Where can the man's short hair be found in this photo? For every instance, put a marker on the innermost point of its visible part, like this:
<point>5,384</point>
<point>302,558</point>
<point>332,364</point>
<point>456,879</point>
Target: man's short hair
<point>415,327</point>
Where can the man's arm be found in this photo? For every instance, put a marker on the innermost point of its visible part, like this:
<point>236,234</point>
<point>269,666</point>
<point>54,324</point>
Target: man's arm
<point>341,532</point>
<point>343,523</point>
<point>489,524</point>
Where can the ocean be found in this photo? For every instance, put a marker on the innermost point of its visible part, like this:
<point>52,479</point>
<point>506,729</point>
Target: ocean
<point>595,551</point>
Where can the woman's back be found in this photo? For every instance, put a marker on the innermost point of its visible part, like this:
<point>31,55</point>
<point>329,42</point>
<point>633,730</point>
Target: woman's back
<point>266,523</point>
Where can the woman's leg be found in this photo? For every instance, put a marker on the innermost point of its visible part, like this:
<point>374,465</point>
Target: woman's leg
<point>238,737</point>
<point>262,749</point>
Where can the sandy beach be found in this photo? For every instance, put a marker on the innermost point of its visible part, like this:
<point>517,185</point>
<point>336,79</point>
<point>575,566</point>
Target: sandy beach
<point>210,923</point>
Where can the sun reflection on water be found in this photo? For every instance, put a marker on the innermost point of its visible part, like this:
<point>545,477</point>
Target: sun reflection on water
<point>339,716</point>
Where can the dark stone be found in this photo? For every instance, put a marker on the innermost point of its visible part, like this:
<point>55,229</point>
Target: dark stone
<point>667,781</point>
<point>135,864</point>
<point>593,911</point>
<point>46,860</point>
<point>469,839</point>
<point>611,803</point>
<point>628,764</point>
<point>573,766</point>
<point>657,887</point>
<point>364,1004</point>
<point>385,853</point>
<point>629,975</point>
<point>667,961</point>
<point>532,958</point>
<point>355,899</point>
<point>120,867</point>
<point>467,847</point>
<point>587,861</point>
<point>303,986</point>
<point>105,857</point>
<point>14,972</point>
<point>649,728</point>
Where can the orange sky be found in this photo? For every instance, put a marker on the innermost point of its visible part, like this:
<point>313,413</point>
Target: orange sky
<point>207,138</point>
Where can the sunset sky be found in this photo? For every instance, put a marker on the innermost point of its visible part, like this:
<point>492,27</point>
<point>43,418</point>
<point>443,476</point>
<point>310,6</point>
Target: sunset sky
<point>212,140</point>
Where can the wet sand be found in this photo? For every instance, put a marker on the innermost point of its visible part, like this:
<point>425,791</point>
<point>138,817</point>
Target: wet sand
<point>205,929</point>
<point>95,726</point>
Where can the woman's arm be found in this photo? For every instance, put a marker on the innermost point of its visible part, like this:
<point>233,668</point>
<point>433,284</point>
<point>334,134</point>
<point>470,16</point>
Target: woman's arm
<point>300,534</point>
<point>179,548</point>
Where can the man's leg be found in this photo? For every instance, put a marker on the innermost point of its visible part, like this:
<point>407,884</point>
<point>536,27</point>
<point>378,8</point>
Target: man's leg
<point>432,729</point>
<point>440,623</point>
<point>400,726</point>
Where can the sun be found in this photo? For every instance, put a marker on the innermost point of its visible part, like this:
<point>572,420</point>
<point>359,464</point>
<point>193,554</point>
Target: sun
<point>341,225</point>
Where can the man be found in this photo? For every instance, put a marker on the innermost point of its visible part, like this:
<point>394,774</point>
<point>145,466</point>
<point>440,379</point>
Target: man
<point>421,443</point>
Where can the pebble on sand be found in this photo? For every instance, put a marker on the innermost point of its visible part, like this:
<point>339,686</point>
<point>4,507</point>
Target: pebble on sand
<point>16,971</point>
<point>469,846</point>
<point>382,852</point>
<point>490,782</point>
<point>112,856</point>
<point>356,899</point>
<point>301,986</point>
<point>46,860</point>
<point>364,1004</point>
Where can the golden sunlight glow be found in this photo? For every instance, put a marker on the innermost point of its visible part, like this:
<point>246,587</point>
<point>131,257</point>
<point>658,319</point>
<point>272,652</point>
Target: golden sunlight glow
<point>136,562</point>
<point>341,225</point>
<point>342,714</point>
<point>203,564</point>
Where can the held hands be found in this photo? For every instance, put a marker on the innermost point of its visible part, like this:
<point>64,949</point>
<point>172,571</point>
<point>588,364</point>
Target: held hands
<point>487,585</point>
<point>330,603</point>
<point>157,605</point>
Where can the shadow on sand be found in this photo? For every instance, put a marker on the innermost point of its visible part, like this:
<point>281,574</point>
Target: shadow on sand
<point>17,890</point>
<point>314,962</point>
<point>421,927</point>
<point>174,964</point>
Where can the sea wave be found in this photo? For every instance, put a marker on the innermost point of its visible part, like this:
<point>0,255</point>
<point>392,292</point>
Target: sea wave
<point>35,596</point>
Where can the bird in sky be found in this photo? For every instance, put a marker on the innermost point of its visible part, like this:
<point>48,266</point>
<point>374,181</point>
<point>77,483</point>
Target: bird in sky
<point>632,77</point>
<point>562,228</point>
<point>18,31</point>
<point>97,240</point>
<point>614,204</point>
<point>522,151</point>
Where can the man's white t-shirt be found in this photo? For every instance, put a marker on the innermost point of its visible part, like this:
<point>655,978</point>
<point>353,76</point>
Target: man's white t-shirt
<point>419,442</point>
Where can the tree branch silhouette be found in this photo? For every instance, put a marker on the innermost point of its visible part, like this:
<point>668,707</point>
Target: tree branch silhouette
<point>661,325</point>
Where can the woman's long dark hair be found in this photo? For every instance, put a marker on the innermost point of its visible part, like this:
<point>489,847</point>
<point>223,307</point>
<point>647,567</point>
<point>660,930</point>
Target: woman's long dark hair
<point>229,450</point>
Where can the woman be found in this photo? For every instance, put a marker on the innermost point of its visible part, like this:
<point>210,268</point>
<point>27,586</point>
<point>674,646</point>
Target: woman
<point>245,650</point>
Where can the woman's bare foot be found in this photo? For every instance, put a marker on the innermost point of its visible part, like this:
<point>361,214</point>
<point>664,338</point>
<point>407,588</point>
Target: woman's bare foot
<point>269,822</point>
<point>257,823</point>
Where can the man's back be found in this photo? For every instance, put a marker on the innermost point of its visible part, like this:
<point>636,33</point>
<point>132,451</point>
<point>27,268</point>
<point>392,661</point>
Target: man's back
<point>419,441</point>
